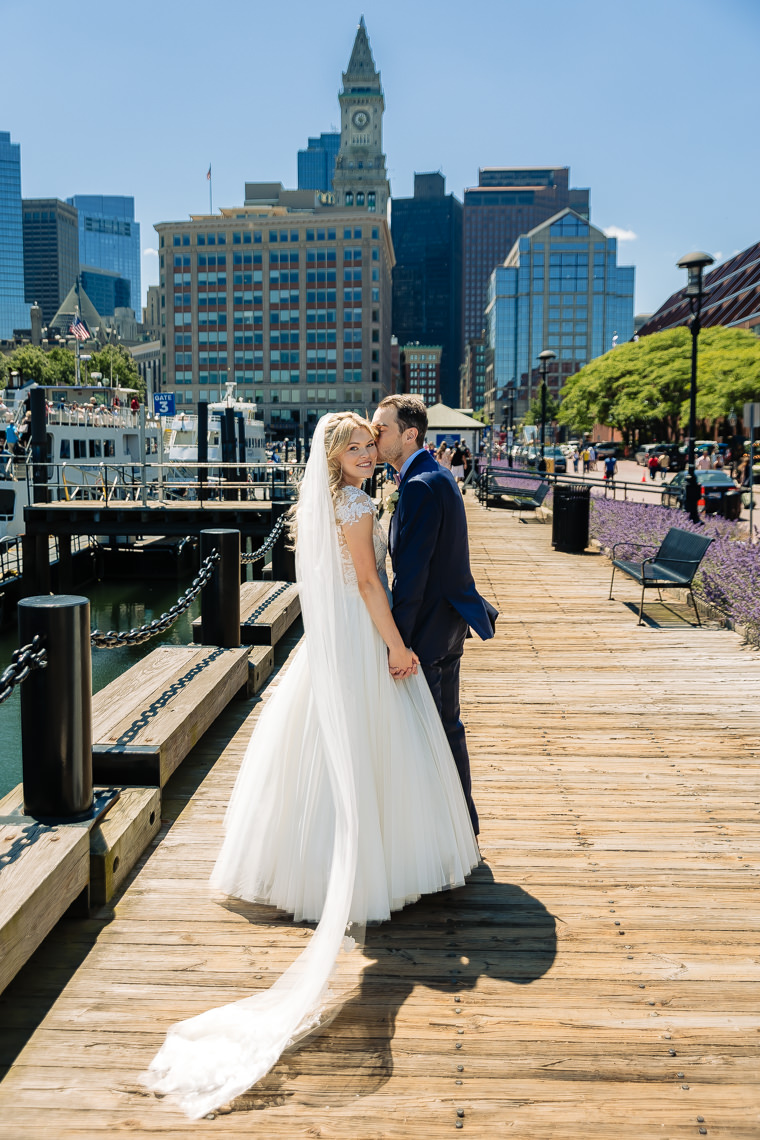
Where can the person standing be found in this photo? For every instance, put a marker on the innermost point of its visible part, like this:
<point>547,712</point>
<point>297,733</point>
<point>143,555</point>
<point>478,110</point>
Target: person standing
<point>663,463</point>
<point>435,601</point>
<point>443,455</point>
<point>610,466</point>
<point>653,464</point>
<point>457,462</point>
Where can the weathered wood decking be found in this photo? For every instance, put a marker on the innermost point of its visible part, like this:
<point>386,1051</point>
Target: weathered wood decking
<point>598,978</point>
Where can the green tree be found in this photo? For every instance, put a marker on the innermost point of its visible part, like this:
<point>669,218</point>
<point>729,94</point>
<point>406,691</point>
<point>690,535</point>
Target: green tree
<point>114,362</point>
<point>62,366</point>
<point>30,362</point>
<point>533,414</point>
<point>642,388</point>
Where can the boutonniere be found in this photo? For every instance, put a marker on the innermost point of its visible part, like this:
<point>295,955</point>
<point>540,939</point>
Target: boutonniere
<point>390,502</point>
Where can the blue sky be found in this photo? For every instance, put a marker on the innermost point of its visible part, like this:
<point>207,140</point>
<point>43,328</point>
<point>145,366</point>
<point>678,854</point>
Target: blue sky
<point>652,104</point>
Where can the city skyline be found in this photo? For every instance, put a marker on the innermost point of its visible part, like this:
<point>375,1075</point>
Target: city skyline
<point>608,92</point>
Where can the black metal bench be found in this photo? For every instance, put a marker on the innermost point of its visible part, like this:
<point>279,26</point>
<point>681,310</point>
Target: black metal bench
<point>521,492</point>
<point>673,566</point>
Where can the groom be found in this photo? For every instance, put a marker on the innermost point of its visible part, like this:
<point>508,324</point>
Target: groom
<point>434,597</point>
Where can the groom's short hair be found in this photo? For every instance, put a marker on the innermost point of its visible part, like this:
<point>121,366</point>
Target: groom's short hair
<point>410,413</point>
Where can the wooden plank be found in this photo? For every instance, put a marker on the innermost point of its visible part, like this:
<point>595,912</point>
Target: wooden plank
<point>275,620</point>
<point>145,739</point>
<point>614,787</point>
<point>42,871</point>
<point>260,666</point>
<point>119,839</point>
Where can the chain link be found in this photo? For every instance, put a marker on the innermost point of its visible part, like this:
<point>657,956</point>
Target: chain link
<point>256,555</point>
<point>113,640</point>
<point>23,660</point>
<point>260,609</point>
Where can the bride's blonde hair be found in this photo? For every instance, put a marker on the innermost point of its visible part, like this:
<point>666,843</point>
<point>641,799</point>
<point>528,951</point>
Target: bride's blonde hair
<point>338,431</point>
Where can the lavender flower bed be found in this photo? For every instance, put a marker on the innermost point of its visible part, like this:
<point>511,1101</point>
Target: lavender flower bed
<point>729,576</point>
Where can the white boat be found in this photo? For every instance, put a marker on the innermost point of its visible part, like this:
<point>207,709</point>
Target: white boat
<point>95,445</point>
<point>181,433</point>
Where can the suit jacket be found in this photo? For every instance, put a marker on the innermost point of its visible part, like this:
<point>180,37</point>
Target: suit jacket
<point>434,595</point>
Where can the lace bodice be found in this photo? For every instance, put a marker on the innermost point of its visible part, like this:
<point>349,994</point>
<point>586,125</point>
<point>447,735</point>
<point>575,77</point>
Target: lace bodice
<point>350,505</point>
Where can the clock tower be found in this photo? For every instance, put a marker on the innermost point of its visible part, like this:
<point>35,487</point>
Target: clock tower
<point>360,181</point>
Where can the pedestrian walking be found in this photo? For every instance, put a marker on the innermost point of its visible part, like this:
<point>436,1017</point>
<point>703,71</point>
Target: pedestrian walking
<point>585,461</point>
<point>610,467</point>
<point>576,460</point>
<point>457,462</point>
<point>653,463</point>
<point>443,455</point>
<point>663,463</point>
<point>591,458</point>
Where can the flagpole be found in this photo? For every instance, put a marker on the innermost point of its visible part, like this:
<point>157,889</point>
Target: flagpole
<point>210,191</point>
<point>76,347</point>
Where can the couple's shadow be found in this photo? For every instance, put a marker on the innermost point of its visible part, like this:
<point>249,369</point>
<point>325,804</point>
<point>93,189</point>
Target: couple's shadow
<point>446,942</point>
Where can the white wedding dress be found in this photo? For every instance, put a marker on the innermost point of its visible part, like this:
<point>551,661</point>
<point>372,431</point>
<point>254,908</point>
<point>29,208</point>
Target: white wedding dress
<point>347,806</point>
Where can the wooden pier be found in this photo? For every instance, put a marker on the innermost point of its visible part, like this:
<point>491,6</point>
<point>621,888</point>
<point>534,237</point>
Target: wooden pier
<point>598,977</point>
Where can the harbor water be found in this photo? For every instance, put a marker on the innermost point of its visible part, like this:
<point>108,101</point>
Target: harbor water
<point>118,605</point>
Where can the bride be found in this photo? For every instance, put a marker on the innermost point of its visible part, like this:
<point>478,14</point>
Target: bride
<point>348,804</point>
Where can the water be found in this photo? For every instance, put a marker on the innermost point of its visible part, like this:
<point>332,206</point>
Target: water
<point>118,605</point>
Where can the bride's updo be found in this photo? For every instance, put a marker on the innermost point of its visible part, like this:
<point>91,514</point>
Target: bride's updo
<point>339,428</point>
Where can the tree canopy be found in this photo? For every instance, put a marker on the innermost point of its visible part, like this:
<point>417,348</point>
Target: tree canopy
<point>58,366</point>
<point>533,414</point>
<point>642,387</point>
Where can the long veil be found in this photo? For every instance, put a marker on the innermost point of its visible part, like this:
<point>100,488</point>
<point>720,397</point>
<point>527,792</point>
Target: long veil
<point>212,1058</point>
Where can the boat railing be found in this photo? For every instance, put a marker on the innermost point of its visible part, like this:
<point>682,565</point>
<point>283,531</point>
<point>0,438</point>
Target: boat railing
<point>98,416</point>
<point>111,482</point>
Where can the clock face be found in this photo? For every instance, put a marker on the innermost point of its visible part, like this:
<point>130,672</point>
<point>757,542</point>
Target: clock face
<point>360,119</point>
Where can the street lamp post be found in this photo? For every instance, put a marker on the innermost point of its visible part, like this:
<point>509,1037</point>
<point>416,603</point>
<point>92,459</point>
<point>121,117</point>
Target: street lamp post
<point>508,413</point>
<point>544,357</point>
<point>695,264</point>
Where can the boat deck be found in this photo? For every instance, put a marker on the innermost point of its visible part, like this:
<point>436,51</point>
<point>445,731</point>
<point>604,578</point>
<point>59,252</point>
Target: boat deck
<point>597,978</point>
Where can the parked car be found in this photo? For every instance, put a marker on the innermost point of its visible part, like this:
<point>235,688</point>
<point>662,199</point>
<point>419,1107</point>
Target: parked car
<point>604,450</point>
<point>718,490</point>
<point>559,457</point>
<point>671,449</point>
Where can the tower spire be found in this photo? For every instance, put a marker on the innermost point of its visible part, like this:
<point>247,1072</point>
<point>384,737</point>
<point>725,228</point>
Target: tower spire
<point>360,180</point>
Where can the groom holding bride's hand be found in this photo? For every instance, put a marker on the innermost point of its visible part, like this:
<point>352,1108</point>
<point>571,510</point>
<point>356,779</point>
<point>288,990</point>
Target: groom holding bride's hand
<point>434,597</point>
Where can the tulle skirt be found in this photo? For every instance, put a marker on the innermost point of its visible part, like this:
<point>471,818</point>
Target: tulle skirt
<point>415,834</point>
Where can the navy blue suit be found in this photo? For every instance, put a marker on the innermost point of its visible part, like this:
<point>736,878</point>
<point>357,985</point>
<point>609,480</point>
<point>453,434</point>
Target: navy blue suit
<point>435,602</point>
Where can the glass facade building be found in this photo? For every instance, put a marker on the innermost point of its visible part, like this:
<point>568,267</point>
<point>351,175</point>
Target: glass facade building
<point>107,291</point>
<point>109,237</point>
<point>560,288</point>
<point>14,312</point>
<point>51,253</point>
<point>317,163</point>
<point>507,202</point>
<point>427,276</point>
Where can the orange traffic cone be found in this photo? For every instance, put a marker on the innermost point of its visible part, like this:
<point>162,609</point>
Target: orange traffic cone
<point>643,478</point>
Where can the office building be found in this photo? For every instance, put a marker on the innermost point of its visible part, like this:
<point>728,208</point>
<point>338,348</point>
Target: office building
<point>472,375</point>
<point>317,163</point>
<point>290,301</point>
<point>108,291</point>
<point>560,288</point>
<point>427,277</point>
<point>109,238</point>
<point>14,311</point>
<point>732,298</point>
<point>360,181</point>
<point>51,252</point>
<point>507,202</point>
<point>421,371</point>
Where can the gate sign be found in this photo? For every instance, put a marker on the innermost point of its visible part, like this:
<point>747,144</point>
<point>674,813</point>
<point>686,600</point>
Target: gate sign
<point>163,403</point>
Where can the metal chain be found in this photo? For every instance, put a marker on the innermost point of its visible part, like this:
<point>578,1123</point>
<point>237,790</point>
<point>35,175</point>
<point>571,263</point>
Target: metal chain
<point>260,609</point>
<point>112,640</point>
<point>23,660</point>
<point>256,555</point>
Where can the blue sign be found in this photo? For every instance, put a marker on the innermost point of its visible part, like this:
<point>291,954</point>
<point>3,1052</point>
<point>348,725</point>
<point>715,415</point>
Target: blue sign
<point>163,403</point>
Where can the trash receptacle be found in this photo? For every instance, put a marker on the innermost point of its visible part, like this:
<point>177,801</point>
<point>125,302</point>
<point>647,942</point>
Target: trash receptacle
<point>731,504</point>
<point>570,517</point>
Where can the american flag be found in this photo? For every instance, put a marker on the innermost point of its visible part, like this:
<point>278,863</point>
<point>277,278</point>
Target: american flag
<point>208,176</point>
<point>79,329</point>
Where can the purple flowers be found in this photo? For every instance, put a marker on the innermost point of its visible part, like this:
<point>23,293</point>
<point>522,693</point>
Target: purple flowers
<point>729,576</point>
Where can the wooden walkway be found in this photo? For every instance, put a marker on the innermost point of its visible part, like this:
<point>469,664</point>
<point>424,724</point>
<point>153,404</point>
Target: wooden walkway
<point>598,978</point>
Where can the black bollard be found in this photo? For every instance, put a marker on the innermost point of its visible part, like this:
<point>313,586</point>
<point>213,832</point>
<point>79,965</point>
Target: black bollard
<point>39,445</point>
<point>283,558</point>
<point>220,599</point>
<point>202,447</point>
<point>56,709</point>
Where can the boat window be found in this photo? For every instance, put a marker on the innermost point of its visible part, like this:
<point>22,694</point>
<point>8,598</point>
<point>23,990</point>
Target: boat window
<point>65,449</point>
<point>109,447</point>
<point>214,438</point>
<point>184,438</point>
<point>80,448</point>
<point>151,445</point>
<point>7,501</point>
<point>95,449</point>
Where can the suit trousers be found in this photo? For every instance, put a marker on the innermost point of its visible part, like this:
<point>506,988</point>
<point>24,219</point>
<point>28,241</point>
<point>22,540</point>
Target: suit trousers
<point>442,677</point>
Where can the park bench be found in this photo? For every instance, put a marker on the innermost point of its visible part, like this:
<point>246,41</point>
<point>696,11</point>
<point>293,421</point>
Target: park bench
<point>518,492</point>
<point>672,567</point>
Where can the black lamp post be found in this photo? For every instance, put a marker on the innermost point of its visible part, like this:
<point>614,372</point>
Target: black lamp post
<point>695,264</point>
<point>508,413</point>
<point>544,357</point>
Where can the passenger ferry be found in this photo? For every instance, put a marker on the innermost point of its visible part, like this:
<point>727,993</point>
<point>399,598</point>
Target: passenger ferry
<point>180,440</point>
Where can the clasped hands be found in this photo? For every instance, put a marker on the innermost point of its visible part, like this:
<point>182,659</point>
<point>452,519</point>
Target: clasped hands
<point>402,663</point>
